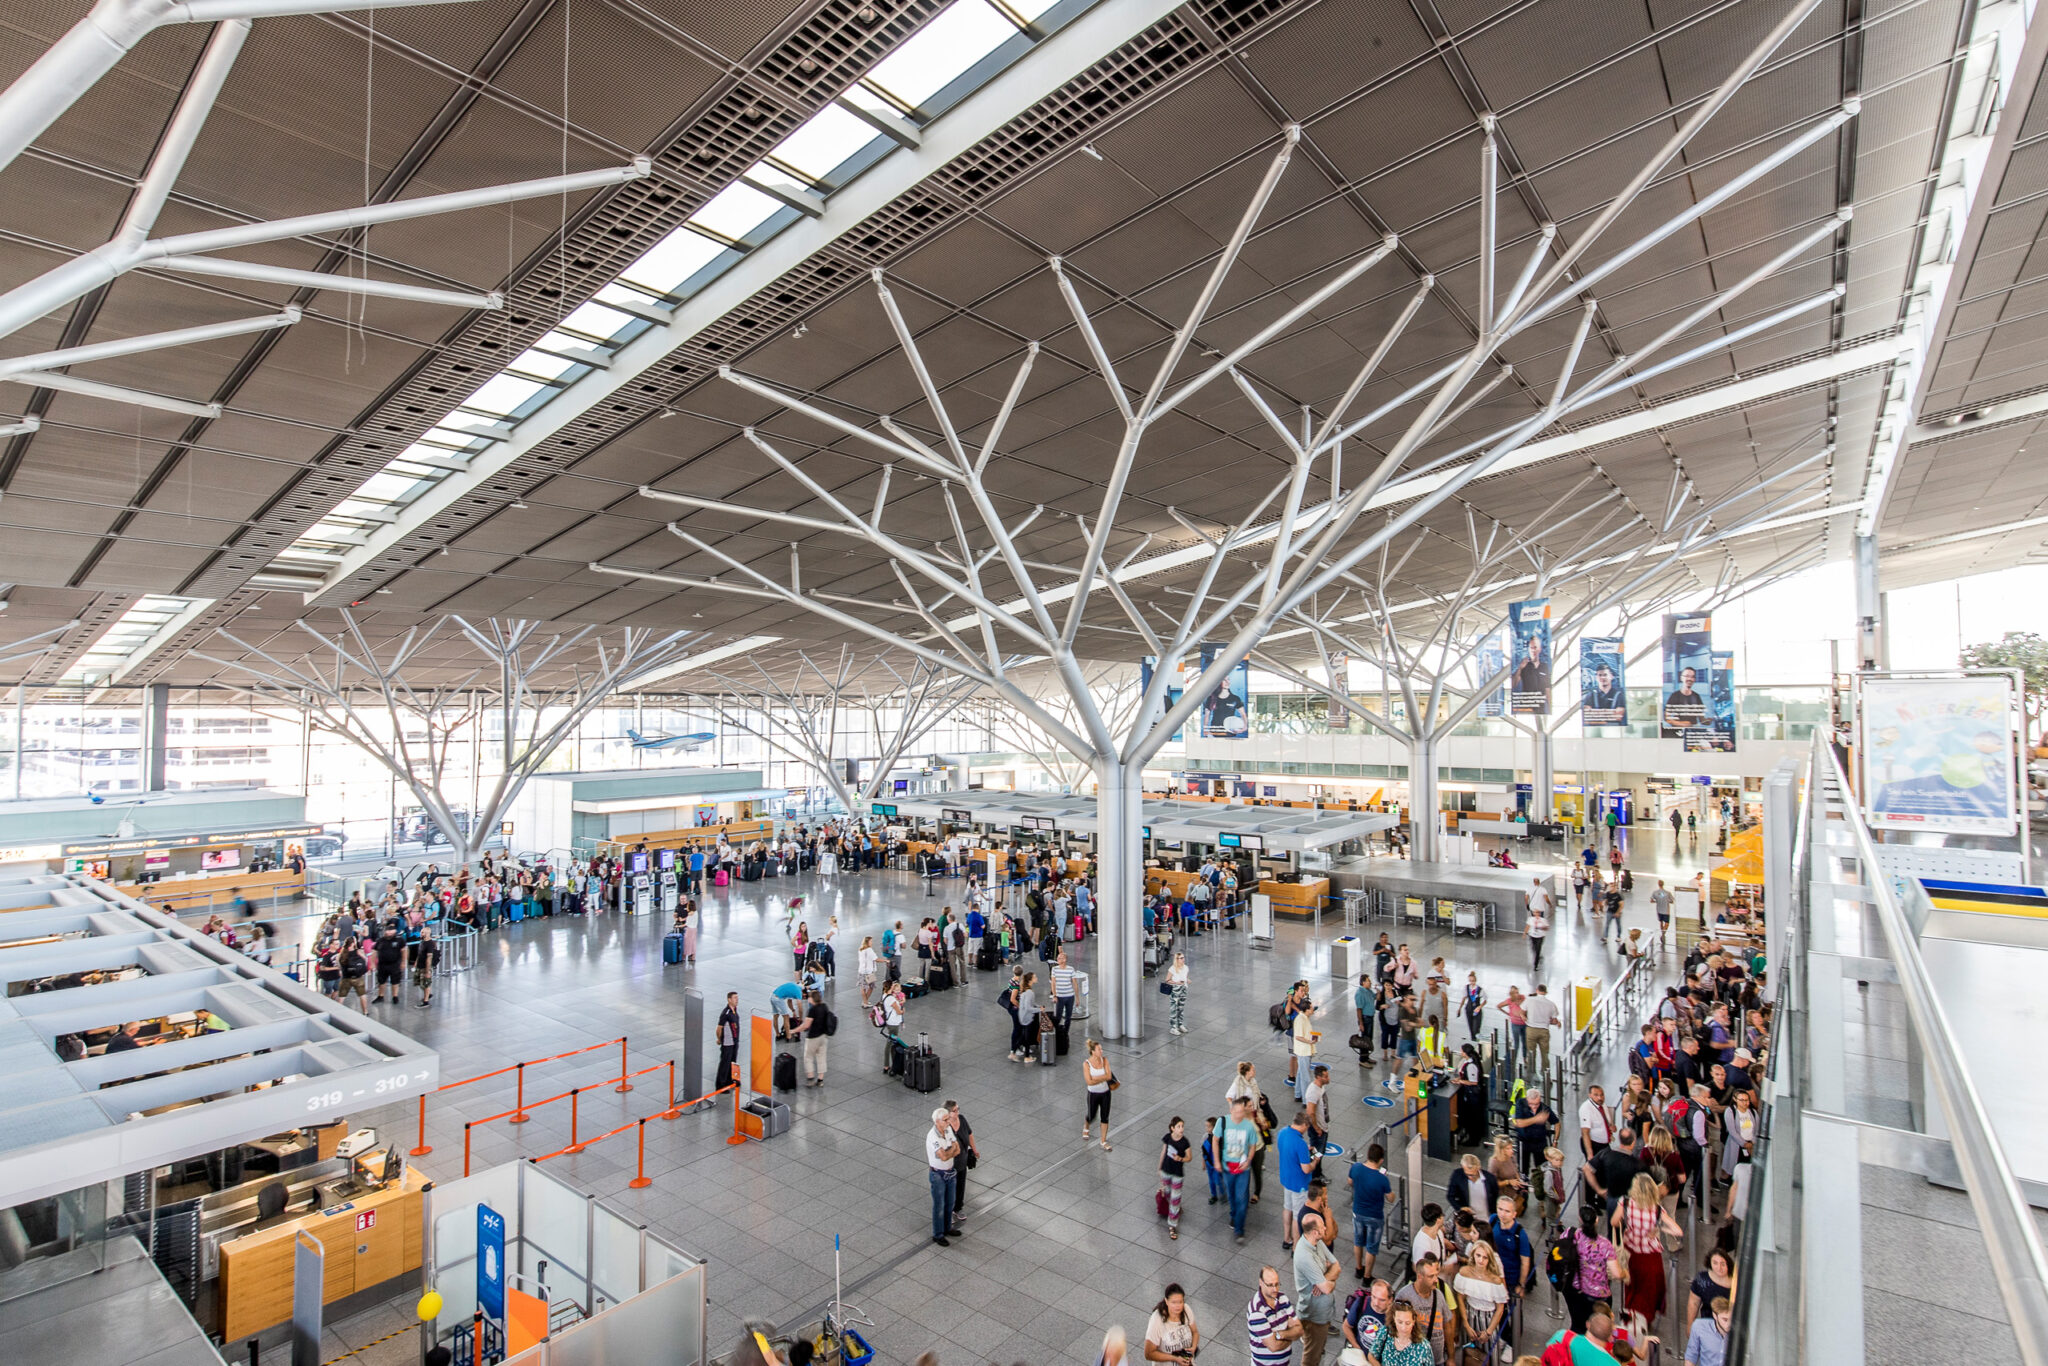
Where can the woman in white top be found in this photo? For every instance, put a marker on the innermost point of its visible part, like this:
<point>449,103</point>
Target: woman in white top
<point>1177,983</point>
<point>1304,1049</point>
<point>1170,1334</point>
<point>866,966</point>
<point>1482,1297</point>
<point>1096,1073</point>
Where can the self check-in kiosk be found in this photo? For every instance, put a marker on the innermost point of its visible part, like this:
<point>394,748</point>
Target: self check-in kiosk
<point>665,862</point>
<point>636,890</point>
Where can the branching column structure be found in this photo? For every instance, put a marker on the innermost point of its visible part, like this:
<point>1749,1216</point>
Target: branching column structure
<point>92,47</point>
<point>350,688</point>
<point>1115,689</point>
<point>1434,672</point>
<point>1304,553</point>
<point>804,724</point>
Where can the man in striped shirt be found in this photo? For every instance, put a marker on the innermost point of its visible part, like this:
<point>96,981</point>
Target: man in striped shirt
<point>1062,992</point>
<point>1271,1323</point>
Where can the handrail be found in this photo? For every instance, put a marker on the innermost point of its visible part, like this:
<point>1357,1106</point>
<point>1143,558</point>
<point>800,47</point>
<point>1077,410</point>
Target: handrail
<point>2018,1261</point>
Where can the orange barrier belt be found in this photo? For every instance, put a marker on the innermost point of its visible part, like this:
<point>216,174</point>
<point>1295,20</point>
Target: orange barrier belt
<point>520,1067</point>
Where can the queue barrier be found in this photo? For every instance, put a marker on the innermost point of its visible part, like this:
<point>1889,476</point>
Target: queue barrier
<point>519,1067</point>
<point>574,1095</point>
<point>641,1181</point>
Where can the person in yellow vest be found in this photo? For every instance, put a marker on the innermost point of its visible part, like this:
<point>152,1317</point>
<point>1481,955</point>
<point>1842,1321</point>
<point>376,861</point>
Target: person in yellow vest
<point>1430,1043</point>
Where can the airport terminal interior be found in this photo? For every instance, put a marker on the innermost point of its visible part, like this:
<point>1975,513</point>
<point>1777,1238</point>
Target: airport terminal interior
<point>647,647</point>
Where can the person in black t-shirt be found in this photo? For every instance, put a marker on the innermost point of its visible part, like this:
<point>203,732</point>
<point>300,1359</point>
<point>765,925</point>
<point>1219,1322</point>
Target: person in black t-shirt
<point>426,956</point>
<point>390,966</point>
<point>970,1157</point>
<point>1614,1167</point>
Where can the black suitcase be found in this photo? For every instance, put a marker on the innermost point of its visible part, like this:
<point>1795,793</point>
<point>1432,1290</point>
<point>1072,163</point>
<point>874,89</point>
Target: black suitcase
<point>1048,1052</point>
<point>985,957</point>
<point>785,1071</point>
<point>895,1056</point>
<point>1059,1043</point>
<point>913,990</point>
<point>921,1072</point>
<point>940,978</point>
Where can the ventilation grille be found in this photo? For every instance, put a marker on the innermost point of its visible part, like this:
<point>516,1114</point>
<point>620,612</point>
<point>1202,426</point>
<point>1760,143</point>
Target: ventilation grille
<point>1079,110</point>
<point>105,610</point>
<point>1231,18</point>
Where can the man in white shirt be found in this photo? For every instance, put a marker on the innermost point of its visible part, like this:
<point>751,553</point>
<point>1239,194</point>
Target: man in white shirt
<point>1062,992</point>
<point>1596,1124</point>
<point>1537,929</point>
<point>1542,1014</point>
<point>941,1149</point>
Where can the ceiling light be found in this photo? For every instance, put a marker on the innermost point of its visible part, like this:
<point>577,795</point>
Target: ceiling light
<point>519,505</point>
<point>1089,148</point>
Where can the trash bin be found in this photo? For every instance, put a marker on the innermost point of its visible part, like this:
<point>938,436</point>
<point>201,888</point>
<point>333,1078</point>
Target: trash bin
<point>1344,955</point>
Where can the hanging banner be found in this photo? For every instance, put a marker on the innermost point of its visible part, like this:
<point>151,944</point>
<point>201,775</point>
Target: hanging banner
<point>1938,754</point>
<point>1173,692</point>
<point>1493,659</point>
<point>1529,690</point>
<point>1716,733</point>
<point>1603,685</point>
<point>1340,682</point>
<point>1227,710</point>
<point>1688,660</point>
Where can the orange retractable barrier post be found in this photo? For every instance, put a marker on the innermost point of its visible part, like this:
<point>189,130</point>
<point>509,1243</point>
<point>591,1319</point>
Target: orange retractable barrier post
<point>518,1111</point>
<point>573,1096</point>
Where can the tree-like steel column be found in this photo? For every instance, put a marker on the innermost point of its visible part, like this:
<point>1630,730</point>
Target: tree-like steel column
<point>524,675</point>
<point>804,725</point>
<point>1293,559</point>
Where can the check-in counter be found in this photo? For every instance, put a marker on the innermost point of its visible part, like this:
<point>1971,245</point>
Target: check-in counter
<point>368,1240</point>
<point>735,832</point>
<point>1171,879</point>
<point>216,892</point>
<point>1302,898</point>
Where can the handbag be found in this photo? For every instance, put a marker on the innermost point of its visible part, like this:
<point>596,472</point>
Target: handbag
<point>1114,1084</point>
<point>1166,988</point>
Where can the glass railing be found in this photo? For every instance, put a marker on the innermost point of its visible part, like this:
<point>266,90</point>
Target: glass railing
<point>1836,919</point>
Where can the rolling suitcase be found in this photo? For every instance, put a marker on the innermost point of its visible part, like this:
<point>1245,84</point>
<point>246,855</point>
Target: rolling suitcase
<point>720,878</point>
<point>987,956</point>
<point>1048,1054</point>
<point>785,1071</point>
<point>940,978</point>
<point>921,1069</point>
<point>913,990</point>
<point>1060,1041</point>
<point>671,948</point>
<point>895,1057</point>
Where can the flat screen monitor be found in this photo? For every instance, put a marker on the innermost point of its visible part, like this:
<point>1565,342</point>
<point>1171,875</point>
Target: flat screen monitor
<point>636,862</point>
<point>220,858</point>
<point>665,859</point>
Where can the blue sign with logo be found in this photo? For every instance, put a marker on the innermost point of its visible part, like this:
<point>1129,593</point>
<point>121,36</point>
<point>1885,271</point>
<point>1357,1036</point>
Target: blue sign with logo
<point>1379,1102</point>
<point>490,1262</point>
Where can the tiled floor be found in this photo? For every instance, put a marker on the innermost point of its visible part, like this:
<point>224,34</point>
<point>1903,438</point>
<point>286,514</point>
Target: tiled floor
<point>1062,1238</point>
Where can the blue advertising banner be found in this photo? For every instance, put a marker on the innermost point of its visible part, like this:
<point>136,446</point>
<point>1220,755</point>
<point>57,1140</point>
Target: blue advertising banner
<point>1227,710</point>
<point>1718,734</point>
<point>1688,661</point>
<point>1171,699</point>
<point>1529,686</point>
<point>490,1262</point>
<point>1493,659</point>
<point>1603,682</point>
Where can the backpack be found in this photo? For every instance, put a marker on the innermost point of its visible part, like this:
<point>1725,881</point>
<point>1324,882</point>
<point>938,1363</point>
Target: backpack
<point>1561,1264</point>
<point>1559,1353</point>
<point>830,1022</point>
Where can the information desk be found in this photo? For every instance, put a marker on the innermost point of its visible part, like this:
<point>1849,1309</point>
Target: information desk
<point>1303,898</point>
<point>368,1241</point>
<point>217,891</point>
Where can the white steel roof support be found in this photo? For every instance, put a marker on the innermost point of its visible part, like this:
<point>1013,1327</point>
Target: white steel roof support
<point>133,247</point>
<point>1304,559</point>
<point>327,679</point>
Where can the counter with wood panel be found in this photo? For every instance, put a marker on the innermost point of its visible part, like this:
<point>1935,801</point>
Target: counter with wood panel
<point>1297,898</point>
<point>256,1269</point>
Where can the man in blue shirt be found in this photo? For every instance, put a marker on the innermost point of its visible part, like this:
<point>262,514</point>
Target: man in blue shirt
<point>1238,1142</point>
<point>1297,1160</point>
<point>977,923</point>
<point>1370,1190</point>
<point>1517,1259</point>
<point>697,871</point>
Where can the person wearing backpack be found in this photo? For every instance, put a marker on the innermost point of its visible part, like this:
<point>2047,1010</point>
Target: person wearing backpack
<point>354,968</point>
<point>1583,1347</point>
<point>818,1025</point>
